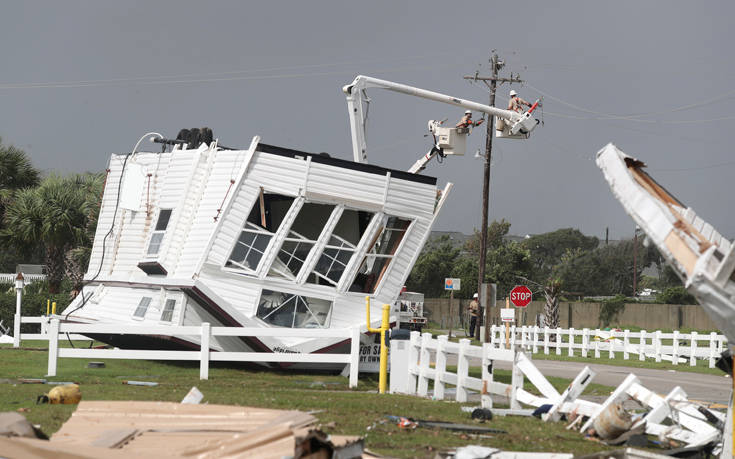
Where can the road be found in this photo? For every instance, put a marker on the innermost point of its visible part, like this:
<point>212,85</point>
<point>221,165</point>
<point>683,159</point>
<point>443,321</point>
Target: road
<point>698,386</point>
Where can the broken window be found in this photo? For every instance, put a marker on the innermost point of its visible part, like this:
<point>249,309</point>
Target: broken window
<point>293,311</point>
<point>154,246</point>
<point>341,247</point>
<point>142,307</point>
<point>265,217</point>
<point>168,311</point>
<point>301,238</point>
<point>378,258</point>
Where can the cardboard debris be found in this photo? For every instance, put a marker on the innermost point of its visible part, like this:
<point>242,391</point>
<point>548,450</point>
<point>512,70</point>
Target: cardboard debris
<point>165,429</point>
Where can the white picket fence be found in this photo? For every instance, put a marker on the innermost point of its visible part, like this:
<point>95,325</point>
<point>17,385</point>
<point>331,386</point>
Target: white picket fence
<point>675,347</point>
<point>424,360</point>
<point>27,278</point>
<point>204,355</point>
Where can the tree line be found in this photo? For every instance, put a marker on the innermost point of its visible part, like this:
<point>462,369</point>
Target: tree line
<point>47,220</point>
<point>561,263</point>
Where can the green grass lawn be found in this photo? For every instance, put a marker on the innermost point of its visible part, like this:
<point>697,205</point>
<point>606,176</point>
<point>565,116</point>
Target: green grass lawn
<point>341,410</point>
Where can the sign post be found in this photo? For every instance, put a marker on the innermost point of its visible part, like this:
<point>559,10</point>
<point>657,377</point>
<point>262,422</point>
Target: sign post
<point>451,284</point>
<point>507,315</point>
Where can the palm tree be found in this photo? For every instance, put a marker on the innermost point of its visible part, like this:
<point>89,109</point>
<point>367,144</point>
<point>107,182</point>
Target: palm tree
<point>16,172</point>
<point>55,215</point>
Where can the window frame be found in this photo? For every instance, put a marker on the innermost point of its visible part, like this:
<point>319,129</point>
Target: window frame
<point>135,316</point>
<point>236,267</point>
<point>155,231</point>
<point>366,252</point>
<point>291,295</point>
<point>165,310</point>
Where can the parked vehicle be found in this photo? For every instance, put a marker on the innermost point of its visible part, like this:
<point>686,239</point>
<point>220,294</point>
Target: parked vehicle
<point>411,311</point>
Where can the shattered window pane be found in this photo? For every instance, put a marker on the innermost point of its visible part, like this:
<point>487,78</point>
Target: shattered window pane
<point>301,238</point>
<point>341,247</point>
<point>265,217</point>
<point>293,311</point>
<point>376,262</point>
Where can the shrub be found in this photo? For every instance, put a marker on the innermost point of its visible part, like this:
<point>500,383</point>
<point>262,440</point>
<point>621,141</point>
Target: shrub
<point>676,295</point>
<point>611,309</point>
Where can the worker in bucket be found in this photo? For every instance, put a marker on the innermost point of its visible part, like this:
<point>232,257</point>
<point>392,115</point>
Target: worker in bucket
<point>516,103</point>
<point>474,313</point>
<point>466,121</point>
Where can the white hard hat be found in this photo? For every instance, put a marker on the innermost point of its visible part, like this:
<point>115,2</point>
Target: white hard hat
<point>474,296</point>
<point>513,93</point>
<point>468,112</point>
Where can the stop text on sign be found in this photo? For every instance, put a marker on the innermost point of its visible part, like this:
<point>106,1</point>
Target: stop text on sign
<point>520,296</point>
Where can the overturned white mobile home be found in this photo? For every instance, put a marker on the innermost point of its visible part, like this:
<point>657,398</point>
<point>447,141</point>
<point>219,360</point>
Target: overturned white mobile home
<point>263,237</point>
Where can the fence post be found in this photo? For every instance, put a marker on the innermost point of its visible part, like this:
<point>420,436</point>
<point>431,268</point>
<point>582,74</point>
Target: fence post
<point>585,341</point>
<point>516,383</point>
<point>675,349</point>
<point>492,335</point>
<point>513,338</point>
<point>354,356</point>
<point>18,299</point>
<point>571,342</point>
<point>558,341</point>
<point>487,377</point>
<point>204,350</point>
<point>657,345</point>
<point>642,346</point>
<point>546,340</point>
<point>463,366</point>
<point>712,349</point>
<point>534,350</point>
<point>53,347</point>
<point>626,343</point>
<point>524,344</point>
<point>597,343</point>
<point>693,350</point>
<point>441,366</point>
<point>611,345</point>
<point>413,358</point>
<point>423,386</point>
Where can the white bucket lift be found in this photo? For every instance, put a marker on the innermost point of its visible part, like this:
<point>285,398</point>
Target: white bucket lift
<point>520,129</point>
<point>452,141</point>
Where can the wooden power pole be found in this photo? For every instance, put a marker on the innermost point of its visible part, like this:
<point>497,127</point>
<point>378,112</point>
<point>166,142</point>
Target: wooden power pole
<point>491,82</point>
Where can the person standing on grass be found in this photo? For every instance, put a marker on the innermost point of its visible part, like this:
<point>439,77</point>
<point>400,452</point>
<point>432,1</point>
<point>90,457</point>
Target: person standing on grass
<point>474,313</point>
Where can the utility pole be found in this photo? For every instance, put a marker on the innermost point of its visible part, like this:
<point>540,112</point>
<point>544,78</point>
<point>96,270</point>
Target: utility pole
<point>491,82</point>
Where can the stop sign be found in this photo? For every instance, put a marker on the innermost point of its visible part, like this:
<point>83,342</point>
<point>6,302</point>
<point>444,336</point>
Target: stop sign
<point>520,296</point>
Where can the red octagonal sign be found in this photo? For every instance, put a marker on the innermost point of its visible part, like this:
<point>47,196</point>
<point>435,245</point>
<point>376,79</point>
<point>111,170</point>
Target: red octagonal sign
<point>520,296</point>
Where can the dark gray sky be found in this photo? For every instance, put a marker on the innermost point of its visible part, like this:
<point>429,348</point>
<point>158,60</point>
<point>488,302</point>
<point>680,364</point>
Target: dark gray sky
<point>81,80</point>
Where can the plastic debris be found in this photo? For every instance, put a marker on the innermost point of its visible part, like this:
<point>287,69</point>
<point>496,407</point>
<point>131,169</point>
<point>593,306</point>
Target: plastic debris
<point>193,397</point>
<point>140,383</point>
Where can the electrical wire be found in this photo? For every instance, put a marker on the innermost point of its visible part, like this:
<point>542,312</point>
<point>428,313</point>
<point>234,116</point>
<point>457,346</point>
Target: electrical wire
<point>109,232</point>
<point>220,76</point>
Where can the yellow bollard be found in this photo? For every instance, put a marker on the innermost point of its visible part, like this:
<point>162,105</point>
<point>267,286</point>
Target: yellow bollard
<point>53,307</point>
<point>383,376</point>
<point>48,307</point>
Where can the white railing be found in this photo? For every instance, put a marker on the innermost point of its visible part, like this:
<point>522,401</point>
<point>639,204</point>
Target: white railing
<point>204,355</point>
<point>420,371</point>
<point>27,278</point>
<point>675,347</point>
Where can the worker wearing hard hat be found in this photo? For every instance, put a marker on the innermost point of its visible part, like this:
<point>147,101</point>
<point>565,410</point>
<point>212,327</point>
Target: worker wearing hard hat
<point>466,121</point>
<point>516,103</point>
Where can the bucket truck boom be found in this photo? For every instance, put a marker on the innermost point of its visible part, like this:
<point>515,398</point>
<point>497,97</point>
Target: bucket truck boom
<point>446,140</point>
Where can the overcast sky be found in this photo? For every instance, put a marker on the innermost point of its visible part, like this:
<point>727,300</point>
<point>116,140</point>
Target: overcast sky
<point>81,80</point>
